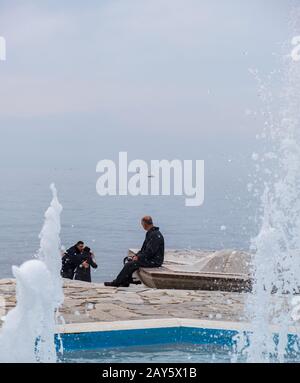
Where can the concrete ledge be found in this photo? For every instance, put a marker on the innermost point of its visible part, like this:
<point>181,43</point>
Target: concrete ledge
<point>116,326</point>
<point>77,328</point>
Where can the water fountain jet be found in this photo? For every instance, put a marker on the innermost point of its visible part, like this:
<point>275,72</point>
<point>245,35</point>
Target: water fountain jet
<point>28,331</point>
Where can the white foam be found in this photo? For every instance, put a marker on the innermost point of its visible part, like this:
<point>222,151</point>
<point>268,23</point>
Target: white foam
<point>277,261</point>
<point>28,331</point>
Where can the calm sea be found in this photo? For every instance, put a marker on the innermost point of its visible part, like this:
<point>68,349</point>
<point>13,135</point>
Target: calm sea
<point>111,225</point>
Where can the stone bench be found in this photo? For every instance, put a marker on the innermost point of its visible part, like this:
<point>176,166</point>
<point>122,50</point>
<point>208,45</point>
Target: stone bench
<point>165,278</point>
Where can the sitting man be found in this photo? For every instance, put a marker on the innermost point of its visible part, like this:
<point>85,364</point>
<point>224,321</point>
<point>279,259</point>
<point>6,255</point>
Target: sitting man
<point>71,259</point>
<point>150,255</point>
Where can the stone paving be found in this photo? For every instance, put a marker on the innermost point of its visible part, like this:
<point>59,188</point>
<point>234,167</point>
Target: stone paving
<point>92,302</point>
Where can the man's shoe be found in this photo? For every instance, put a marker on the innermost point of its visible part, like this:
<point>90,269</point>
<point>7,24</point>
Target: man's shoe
<point>135,281</point>
<point>111,284</point>
<point>114,284</point>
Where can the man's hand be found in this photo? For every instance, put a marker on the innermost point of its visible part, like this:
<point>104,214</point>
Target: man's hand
<point>85,264</point>
<point>135,258</point>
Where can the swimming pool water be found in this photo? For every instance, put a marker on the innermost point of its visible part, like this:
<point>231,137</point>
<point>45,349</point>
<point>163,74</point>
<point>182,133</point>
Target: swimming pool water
<point>161,345</point>
<point>166,353</point>
<point>182,353</point>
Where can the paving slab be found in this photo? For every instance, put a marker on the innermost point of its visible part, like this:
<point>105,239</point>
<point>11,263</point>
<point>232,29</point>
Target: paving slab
<point>92,302</point>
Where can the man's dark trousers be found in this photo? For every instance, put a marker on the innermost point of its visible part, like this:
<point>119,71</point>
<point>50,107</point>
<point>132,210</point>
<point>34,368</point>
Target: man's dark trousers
<point>125,276</point>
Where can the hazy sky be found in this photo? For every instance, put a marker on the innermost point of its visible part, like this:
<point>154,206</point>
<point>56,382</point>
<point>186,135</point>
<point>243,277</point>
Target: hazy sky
<point>160,79</point>
<point>84,80</point>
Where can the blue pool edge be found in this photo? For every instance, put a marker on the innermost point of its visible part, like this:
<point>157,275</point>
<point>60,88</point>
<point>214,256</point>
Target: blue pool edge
<point>106,335</point>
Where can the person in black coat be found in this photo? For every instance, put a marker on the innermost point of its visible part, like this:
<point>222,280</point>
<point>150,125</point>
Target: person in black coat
<point>83,271</point>
<point>71,259</point>
<point>150,255</point>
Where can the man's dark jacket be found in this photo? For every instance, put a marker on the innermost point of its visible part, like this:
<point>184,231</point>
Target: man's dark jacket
<point>71,259</point>
<point>83,274</point>
<point>153,249</point>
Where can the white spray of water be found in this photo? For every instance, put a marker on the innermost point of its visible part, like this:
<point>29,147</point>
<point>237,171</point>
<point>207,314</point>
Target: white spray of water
<point>50,245</point>
<point>277,247</point>
<point>28,331</point>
